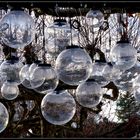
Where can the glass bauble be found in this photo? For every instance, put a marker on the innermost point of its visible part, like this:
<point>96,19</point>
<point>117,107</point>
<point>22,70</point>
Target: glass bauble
<point>94,18</point>
<point>123,55</point>
<point>97,72</point>
<point>4,117</point>
<point>56,45</point>
<point>89,93</point>
<point>9,91</point>
<point>58,107</point>
<point>73,65</point>
<point>49,76</point>
<point>20,30</point>
<point>11,69</point>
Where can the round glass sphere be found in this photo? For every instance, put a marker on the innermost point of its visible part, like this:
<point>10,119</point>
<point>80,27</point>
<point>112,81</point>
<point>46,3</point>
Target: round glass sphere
<point>89,94</point>
<point>58,107</point>
<point>59,28</point>
<point>25,74</point>
<point>97,74</point>
<point>56,45</point>
<point>9,91</point>
<point>11,69</point>
<point>110,73</point>
<point>20,30</point>
<point>51,79</point>
<point>73,66</point>
<point>94,18</point>
<point>4,117</point>
<point>125,81</point>
<point>129,79</point>
<point>123,56</point>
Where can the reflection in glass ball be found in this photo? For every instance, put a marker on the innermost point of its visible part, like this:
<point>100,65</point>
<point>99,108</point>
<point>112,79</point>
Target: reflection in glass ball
<point>58,107</point>
<point>25,74</point>
<point>129,79</point>
<point>4,117</point>
<point>56,45</point>
<point>11,69</point>
<point>20,29</point>
<point>123,56</point>
<point>59,29</point>
<point>73,65</point>
<point>110,73</point>
<point>89,93</point>
<point>51,78</point>
<point>94,18</point>
<point>9,91</point>
<point>97,74</point>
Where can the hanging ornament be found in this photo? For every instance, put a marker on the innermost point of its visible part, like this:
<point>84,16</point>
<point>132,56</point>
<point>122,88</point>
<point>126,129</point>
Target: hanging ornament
<point>89,93</point>
<point>110,73</point>
<point>129,79</point>
<point>20,29</point>
<point>94,18</point>
<point>58,107</point>
<point>11,68</point>
<point>97,72</point>
<point>4,117</point>
<point>49,76</point>
<point>59,29</point>
<point>123,55</point>
<point>56,45</point>
<point>73,65</point>
<point>9,91</point>
<point>25,74</point>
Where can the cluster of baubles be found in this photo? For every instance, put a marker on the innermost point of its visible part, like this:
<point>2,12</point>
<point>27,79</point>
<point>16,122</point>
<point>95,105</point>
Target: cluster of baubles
<point>73,66</point>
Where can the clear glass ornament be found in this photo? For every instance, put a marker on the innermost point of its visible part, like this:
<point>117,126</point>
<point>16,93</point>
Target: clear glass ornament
<point>89,94</point>
<point>51,79</point>
<point>129,79</point>
<point>58,107</point>
<point>110,73</point>
<point>94,18</point>
<point>123,55</point>
<point>11,69</point>
<point>25,74</point>
<point>73,65</point>
<point>59,29</point>
<point>97,72</point>
<point>4,117</point>
<point>20,29</point>
<point>56,45</point>
<point>9,91</point>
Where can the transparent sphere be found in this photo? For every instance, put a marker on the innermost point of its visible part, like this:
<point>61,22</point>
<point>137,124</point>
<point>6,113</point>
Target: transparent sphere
<point>123,56</point>
<point>58,107</point>
<point>94,18</point>
<point>11,69</point>
<point>73,66</point>
<point>51,79</point>
<point>125,81</point>
<point>56,45</point>
<point>89,93</point>
<point>59,28</point>
<point>4,117</point>
<point>97,74</point>
<point>25,74</point>
<point>33,66</point>
<point>129,79</point>
<point>20,29</point>
<point>9,91</point>
<point>3,78</point>
<point>110,73</point>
